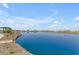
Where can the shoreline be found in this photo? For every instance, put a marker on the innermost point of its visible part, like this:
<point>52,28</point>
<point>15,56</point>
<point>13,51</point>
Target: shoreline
<point>26,52</point>
<point>21,46</point>
<point>73,33</point>
<point>12,49</point>
<point>8,45</point>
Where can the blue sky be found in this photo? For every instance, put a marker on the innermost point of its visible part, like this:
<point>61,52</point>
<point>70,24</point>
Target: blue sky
<point>40,16</point>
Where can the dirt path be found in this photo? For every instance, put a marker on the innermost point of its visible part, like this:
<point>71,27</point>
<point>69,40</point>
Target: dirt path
<point>6,41</point>
<point>1,35</point>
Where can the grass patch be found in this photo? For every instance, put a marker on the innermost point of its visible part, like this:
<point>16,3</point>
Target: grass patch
<point>12,52</point>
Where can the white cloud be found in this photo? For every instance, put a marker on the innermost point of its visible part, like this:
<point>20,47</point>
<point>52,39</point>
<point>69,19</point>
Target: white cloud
<point>22,22</point>
<point>22,25</point>
<point>75,26</point>
<point>54,25</point>
<point>1,24</point>
<point>10,21</point>
<point>25,22</point>
<point>77,19</point>
<point>5,5</point>
<point>2,21</point>
<point>56,22</point>
<point>33,21</point>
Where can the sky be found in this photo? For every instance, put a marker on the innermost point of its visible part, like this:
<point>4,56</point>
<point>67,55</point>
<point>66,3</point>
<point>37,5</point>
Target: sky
<point>38,16</point>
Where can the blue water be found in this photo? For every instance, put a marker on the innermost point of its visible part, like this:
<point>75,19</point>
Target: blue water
<point>45,43</point>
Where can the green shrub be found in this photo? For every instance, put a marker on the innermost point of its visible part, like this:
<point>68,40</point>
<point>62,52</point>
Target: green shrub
<point>12,52</point>
<point>8,30</point>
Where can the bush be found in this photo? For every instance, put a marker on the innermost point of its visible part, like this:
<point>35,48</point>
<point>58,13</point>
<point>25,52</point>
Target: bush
<point>8,30</point>
<point>12,52</point>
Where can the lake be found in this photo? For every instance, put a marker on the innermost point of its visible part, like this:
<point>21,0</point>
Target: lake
<point>47,43</point>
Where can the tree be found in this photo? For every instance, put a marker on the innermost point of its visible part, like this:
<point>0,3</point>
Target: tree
<point>7,30</point>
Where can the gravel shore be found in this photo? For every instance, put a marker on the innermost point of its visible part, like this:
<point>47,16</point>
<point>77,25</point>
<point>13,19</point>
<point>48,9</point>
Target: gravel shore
<point>8,45</point>
<point>12,49</point>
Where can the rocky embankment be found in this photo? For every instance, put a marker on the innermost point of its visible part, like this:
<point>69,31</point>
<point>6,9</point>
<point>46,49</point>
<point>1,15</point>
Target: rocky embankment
<point>8,45</point>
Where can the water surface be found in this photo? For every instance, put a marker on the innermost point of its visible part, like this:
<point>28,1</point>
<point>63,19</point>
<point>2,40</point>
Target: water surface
<point>46,43</point>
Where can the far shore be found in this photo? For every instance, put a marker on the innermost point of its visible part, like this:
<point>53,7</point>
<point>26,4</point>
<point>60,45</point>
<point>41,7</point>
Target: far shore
<point>60,32</point>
